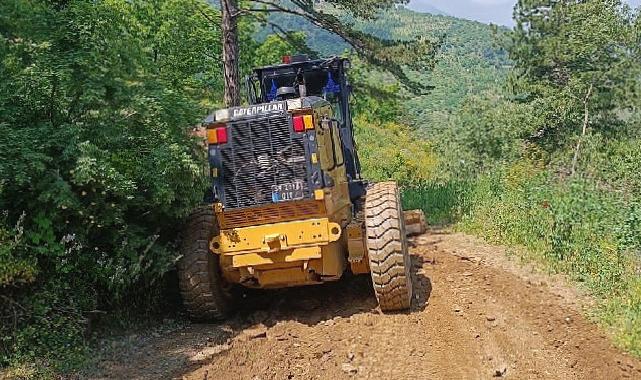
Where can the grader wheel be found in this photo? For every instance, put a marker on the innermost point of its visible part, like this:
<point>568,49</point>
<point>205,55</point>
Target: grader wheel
<point>389,259</point>
<point>202,287</point>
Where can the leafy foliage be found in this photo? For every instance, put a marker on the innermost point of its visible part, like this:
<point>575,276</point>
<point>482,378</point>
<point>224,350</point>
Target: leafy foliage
<point>468,62</point>
<point>341,20</point>
<point>575,64</point>
<point>274,48</point>
<point>548,161</point>
<point>387,147</point>
<point>96,161</point>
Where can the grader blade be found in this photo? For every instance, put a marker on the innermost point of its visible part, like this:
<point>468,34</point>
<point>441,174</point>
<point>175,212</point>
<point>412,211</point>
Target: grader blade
<point>415,223</point>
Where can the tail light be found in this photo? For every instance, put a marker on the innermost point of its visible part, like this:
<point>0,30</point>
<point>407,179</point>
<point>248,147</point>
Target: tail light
<point>217,134</point>
<point>221,134</point>
<point>302,122</point>
<point>299,123</point>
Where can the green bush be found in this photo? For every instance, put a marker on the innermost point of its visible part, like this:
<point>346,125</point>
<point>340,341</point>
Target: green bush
<point>390,150</point>
<point>572,226</point>
<point>97,165</point>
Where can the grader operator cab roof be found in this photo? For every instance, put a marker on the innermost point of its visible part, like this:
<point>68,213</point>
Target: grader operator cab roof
<point>321,77</point>
<point>268,85</point>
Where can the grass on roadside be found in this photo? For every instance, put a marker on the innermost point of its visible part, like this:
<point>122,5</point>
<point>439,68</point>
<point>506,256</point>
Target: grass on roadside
<point>443,203</point>
<point>571,226</point>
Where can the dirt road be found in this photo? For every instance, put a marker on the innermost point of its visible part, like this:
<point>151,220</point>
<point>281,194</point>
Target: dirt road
<point>477,315</point>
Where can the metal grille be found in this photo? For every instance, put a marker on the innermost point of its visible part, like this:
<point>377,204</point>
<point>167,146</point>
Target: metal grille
<point>273,213</point>
<point>260,156</point>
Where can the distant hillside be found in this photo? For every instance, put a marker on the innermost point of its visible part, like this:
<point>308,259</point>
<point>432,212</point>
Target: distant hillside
<point>426,8</point>
<point>468,63</point>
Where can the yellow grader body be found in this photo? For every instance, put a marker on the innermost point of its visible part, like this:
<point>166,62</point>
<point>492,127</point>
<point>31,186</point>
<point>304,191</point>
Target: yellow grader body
<point>288,204</point>
<point>295,243</point>
<point>282,254</point>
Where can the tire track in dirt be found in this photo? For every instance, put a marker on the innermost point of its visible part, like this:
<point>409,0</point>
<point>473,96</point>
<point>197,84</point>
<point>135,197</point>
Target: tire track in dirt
<point>477,315</point>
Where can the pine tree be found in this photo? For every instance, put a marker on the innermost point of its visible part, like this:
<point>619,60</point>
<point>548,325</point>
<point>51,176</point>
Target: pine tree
<point>576,59</point>
<point>390,55</point>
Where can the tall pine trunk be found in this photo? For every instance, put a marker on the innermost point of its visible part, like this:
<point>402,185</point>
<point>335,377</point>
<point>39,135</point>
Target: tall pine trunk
<point>230,52</point>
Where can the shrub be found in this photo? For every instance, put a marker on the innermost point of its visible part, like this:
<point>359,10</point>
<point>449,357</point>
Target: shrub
<point>443,203</point>
<point>97,167</point>
<point>573,226</point>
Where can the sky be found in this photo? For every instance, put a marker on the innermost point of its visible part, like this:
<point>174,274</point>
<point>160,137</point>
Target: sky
<point>494,11</point>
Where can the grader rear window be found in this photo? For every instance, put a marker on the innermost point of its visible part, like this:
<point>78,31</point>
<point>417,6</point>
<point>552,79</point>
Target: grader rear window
<point>317,83</point>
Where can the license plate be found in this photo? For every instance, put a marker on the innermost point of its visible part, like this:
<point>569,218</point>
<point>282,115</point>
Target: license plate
<point>288,191</point>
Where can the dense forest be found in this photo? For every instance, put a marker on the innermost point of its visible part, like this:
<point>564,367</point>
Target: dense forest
<point>470,60</point>
<point>528,137</point>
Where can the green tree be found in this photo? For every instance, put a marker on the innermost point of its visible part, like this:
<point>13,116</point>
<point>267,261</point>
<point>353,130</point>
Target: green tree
<point>97,166</point>
<point>576,61</point>
<point>274,48</point>
<point>333,16</point>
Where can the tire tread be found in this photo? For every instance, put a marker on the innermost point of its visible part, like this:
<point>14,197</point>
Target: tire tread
<point>387,247</point>
<point>199,275</point>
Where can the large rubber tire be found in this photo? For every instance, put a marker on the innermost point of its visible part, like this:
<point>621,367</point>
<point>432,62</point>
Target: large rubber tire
<point>205,294</point>
<point>389,258</point>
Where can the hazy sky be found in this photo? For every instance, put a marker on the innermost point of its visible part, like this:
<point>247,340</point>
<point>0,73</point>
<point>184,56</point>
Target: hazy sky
<point>495,11</point>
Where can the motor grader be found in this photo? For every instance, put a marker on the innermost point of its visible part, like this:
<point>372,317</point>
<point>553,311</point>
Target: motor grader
<point>288,206</point>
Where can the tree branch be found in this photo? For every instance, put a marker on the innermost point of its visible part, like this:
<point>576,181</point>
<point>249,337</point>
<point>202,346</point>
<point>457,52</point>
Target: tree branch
<point>392,56</point>
<point>208,17</point>
<point>285,36</point>
<point>280,8</point>
<point>586,118</point>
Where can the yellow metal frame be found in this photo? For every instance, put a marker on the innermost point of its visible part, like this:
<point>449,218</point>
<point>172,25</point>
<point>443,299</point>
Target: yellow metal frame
<point>276,237</point>
<point>255,259</point>
<point>299,252</point>
<point>282,254</point>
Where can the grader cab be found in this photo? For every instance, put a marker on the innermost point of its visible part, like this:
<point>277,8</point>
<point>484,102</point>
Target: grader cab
<point>288,206</point>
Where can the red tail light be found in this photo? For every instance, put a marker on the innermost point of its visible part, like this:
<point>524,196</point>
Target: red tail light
<point>299,123</point>
<point>217,135</point>
<point>221,134</point>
